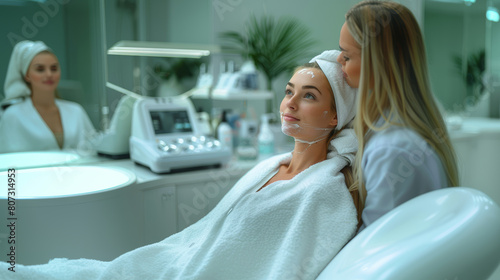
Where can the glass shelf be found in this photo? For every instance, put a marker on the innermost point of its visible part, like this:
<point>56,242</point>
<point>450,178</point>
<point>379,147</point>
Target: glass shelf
<point>218,94</point>
<point>162,49</point>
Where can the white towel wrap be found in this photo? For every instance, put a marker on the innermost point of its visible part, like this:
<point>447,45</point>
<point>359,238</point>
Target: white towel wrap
<point>20,60</point>
<point>345,96</point>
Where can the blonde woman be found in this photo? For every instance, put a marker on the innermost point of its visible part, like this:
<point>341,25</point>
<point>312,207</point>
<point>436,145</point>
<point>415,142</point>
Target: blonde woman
<point>40,121</point>
<point>404,148</point>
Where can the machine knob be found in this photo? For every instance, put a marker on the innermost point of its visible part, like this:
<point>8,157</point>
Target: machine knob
<point>173,148</point>
<point>161,144</point>
<point>217,144</point>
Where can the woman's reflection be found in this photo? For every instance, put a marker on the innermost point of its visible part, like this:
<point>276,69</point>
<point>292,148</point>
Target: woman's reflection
<point>40,121</point>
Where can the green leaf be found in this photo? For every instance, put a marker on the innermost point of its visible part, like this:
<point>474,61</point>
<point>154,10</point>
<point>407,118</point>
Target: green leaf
<point>275,46</point>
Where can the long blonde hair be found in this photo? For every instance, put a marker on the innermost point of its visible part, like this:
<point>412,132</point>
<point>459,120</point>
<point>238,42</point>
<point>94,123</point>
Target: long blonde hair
<point>394,82</point>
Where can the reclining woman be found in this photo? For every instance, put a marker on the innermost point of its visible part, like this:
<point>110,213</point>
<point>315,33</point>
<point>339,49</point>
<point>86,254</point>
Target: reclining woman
<point>285,219</point>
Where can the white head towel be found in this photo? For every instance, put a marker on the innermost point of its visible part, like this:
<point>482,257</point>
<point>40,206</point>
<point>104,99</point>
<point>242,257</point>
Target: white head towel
<point>345,143</point>
<point>20,60</point>
<point>345,96</point>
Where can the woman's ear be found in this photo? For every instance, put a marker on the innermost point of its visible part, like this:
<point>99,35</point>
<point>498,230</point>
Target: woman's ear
<point>27,78</point>
<point>334,121</point>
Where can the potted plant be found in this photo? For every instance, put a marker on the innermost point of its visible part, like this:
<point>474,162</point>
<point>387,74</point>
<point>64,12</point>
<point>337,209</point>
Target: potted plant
<point>472,71</point>
<point>274,46</point>
<point>175,72</point>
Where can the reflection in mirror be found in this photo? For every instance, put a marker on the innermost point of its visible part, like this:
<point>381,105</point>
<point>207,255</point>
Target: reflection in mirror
<point>458,43</point>
<point>68,29</point>
<point>26,160</point>
<point>493,56</point>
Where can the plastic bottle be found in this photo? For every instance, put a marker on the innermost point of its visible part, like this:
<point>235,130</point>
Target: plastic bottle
<point>224,131</point>
<point>246,149</point>
<point>224,76</point>
<point>265,138</point>
<point>204,122</point>
<point>205,79</point>
<point>250,76</point>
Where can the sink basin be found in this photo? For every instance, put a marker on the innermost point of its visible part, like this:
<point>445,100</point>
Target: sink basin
<point>67,181</point>
<point>84,211</point>
<point>25,160</point>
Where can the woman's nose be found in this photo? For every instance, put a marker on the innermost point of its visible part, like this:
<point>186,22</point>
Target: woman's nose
<point>291,103</point>
<point>340,59</point>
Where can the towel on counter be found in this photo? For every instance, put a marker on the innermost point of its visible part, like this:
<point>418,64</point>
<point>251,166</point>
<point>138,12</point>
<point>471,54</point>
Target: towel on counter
<point>20,60</point>
<point>289,230</point>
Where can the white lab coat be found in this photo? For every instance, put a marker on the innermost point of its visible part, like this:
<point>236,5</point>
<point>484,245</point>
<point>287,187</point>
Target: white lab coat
<point>23,129</point>
<point>398,165</point>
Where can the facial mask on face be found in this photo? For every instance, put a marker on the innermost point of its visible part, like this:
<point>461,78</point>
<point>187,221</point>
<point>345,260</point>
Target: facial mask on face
<point>292,129</point>
<point>306,71</point>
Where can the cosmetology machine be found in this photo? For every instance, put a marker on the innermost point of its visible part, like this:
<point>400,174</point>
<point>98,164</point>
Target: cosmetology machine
<point>166,136</point>
<point>114,141</point>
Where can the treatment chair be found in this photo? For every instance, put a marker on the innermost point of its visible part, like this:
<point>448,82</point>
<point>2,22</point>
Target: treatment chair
<point>447,234</point>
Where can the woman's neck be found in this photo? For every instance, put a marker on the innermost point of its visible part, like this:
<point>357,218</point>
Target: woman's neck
<point>43,99</point>
<point>305,155</point>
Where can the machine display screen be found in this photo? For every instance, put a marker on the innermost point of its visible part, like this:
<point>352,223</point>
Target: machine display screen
<point>170,121</point>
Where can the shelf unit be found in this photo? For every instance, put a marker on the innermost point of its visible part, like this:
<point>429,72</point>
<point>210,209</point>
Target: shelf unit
<point>244,95</point>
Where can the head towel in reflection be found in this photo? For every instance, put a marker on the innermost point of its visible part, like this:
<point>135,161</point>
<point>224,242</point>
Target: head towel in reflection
<point>21,57</point>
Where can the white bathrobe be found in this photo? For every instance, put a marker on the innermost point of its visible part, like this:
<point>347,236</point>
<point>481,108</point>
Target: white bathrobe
<point>23,129</point>
<point>289,230</point>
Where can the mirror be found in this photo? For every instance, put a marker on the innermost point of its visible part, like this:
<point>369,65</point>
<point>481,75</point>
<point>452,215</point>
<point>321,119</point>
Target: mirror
<point>69,28</point>
<point>493,57</point>
<point>459,46</point>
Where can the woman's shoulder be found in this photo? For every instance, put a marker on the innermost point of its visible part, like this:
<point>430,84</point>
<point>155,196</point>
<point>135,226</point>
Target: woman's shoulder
<point>69,106</point>
<point>396,137</point>
<point>67,103</point>
<point>274,161</point>
<point>14,109</point>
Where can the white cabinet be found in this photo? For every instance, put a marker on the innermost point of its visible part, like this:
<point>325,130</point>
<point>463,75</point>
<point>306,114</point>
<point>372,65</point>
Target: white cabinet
<point>176,201</point>
<point>477,146</point>
<point>160,215</point>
